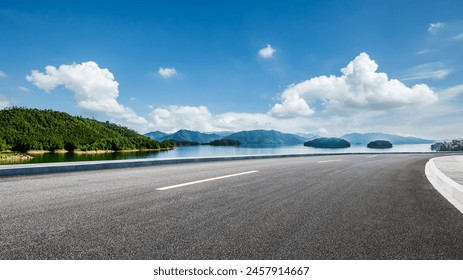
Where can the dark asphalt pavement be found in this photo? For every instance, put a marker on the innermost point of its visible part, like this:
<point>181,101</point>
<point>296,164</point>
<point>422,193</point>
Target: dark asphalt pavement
<point>321,207</point>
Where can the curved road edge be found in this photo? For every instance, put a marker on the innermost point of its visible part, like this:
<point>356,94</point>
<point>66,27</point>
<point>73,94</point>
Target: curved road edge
<point>448,188</point>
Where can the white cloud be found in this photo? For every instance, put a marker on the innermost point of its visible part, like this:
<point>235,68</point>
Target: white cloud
<point>3,74</point>
<point>4,102</point>
<point>434,71</point>
<point>425,51</point>
<point>451,92</point>
<point>360,87</point>
<point>458,37</point>
<point>24,89</point>
<point>323,132</point>
<point>292,106</point>
<point>94,88</point>
<point>173,118</point>
<point>267,52</point>
<point>167,72</point>
<point>434,27</point>
<point>248,121</point>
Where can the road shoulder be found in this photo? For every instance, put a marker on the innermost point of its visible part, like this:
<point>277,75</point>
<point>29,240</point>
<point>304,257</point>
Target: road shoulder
<point>445,173</point>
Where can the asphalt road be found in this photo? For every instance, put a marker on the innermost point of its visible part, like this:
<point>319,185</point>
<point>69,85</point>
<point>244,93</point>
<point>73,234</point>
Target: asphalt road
<point>323,207</point>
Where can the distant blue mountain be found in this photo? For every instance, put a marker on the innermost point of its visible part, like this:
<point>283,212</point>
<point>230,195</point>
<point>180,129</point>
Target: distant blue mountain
<point>365,138</point>
<point>155,135</point>
<point>265,137</point>
<point>184,135</point>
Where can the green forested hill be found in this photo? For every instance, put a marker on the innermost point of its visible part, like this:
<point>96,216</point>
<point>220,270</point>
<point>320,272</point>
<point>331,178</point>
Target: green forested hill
<point>33,129</point>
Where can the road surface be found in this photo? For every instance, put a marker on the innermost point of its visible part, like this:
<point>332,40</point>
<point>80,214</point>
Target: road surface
<point>322,207</point>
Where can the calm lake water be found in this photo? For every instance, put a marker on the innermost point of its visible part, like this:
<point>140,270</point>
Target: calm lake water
<point>209,151</point>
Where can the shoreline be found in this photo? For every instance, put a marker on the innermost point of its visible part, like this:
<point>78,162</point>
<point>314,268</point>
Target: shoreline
<point>39,152</point>
<point>119,151</point>
<point>13,156</point>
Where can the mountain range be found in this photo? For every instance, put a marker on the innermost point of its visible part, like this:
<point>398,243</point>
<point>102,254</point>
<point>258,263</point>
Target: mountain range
<point>273,137</point>
<point>184,135</point>
<point>365,138</point>
<point>263,137</point>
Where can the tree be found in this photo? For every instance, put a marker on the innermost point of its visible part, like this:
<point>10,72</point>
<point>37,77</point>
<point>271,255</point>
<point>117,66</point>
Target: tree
<point>33,129</point>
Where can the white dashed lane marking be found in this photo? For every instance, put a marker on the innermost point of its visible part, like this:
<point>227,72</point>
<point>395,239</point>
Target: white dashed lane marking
<point>205,180</point>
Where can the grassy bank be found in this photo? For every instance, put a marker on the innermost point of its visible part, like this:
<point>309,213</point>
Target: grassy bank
<point>14,156</point>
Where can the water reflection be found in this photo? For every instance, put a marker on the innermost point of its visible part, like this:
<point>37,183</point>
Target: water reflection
<point>208,151</point>
<point>205,151</point>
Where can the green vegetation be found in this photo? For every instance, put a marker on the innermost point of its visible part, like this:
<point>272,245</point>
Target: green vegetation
<point>13,157</point>
<point>4,155</point>
<point>175,143</point>
<point>452,146</point>
<point>225,142</point>
<point>331,143</point>
<point>24,129</point>
<point>380,144</point>
<point>265,137</point>
<point>3,145</point>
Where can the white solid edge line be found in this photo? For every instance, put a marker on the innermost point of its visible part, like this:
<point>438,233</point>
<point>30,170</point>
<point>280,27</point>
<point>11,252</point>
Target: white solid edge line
<point>372,156</point>
<point>205,180</point>
<point>331,160</point>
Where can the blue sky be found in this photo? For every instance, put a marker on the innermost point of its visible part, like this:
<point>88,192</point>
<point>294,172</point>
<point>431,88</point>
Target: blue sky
<point>240,65</point>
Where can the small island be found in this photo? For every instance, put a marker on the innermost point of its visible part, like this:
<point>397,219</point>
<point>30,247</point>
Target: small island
<point>225,142</point>
<point>379,144</point>
<point>331,143</point>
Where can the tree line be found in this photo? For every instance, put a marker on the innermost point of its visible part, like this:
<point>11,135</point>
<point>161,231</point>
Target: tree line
<point>23,129</point>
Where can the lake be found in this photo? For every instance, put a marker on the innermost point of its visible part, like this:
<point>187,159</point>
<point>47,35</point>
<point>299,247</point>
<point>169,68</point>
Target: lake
<point>209,151</point>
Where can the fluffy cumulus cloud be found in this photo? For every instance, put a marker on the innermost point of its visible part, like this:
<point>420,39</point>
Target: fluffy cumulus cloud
<point>435,27</point>
<point>267,52</point>
<point>360,87</point>
<point>174,117</point>
<point>292,106</point>
<point>167,72</point>
<point>95,89</point>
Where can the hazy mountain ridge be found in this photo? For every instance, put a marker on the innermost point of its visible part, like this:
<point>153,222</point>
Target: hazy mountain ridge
<point>184,135</point>
<point>365,138</point>
<point>155,135</point>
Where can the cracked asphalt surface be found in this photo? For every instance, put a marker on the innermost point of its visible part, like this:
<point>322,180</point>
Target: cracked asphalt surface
<point>320,207</point>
